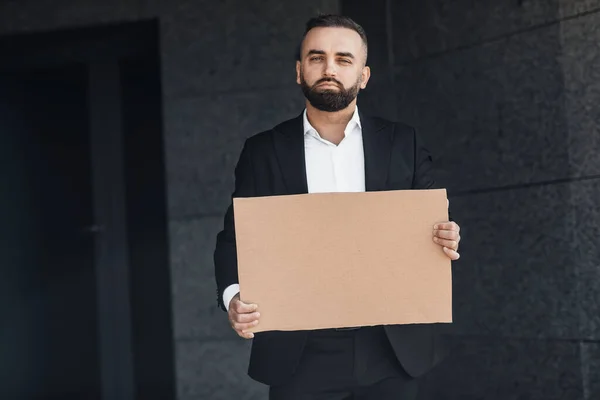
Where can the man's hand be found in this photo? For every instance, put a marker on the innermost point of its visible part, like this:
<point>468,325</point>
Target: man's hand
<point>447,235</point>
<point>242,316</point>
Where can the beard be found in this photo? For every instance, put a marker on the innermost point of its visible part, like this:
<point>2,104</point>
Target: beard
<point>329,100</point>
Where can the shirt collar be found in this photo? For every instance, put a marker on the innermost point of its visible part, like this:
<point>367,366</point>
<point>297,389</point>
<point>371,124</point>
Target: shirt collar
<point>354,121</point>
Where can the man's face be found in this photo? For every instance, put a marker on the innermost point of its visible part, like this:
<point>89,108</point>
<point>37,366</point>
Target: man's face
<point>332,70</point>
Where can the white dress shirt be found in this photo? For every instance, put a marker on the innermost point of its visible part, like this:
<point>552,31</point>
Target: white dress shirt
<point>329,168</point>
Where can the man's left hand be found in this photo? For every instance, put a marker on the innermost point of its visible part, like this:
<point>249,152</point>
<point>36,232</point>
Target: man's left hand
<point>447,235</point>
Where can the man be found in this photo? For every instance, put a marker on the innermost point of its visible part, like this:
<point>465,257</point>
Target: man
<point>332,147</point>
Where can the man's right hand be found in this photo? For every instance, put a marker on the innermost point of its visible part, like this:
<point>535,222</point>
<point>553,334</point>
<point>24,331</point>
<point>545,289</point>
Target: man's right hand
<point>242,317</point>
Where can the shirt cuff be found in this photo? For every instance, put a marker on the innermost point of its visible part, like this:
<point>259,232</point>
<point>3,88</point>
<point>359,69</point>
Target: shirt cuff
<point>230,293</point>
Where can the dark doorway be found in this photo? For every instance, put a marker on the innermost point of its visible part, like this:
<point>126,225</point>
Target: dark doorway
<point>84,280</point>
<point>49,313</point>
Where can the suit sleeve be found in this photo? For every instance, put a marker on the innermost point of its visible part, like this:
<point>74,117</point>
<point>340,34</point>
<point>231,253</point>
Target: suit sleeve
<point>225,254</point>
<point>424,171</point>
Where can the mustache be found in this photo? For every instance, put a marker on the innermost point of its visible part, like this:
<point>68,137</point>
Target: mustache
<point>328,80</point>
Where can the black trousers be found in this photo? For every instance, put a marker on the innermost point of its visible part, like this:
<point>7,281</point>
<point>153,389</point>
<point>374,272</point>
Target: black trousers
<point>348,364</point>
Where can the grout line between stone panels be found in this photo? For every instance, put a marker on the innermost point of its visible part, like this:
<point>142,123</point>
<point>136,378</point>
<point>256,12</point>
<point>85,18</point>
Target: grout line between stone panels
<point>389,30</point>
<point>187,217</point>
<point>186,339</point>
<point>523,186</point>
<point>572,240</point>
<point>583,362</point>
<point>191,217</point>
<point>229,92</point>
<point>496,38</point>
<point>526,338</point>
<point>189,339</point>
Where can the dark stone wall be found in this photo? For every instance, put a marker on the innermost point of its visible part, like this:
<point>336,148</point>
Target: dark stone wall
<point>506,95</point>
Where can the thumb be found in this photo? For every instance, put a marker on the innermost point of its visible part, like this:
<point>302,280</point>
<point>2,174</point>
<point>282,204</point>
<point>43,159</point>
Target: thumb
<point>245,307</point>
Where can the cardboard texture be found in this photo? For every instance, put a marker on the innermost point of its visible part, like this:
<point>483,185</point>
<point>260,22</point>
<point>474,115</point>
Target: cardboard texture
<point>333,260</point>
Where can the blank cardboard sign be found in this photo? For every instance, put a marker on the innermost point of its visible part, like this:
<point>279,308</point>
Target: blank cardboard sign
<point>333,260</point>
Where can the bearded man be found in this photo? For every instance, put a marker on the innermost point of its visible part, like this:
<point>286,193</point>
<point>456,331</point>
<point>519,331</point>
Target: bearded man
<point>332,147</point>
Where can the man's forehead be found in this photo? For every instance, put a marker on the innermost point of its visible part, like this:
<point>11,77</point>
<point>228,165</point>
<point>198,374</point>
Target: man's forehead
<point>337,39</point>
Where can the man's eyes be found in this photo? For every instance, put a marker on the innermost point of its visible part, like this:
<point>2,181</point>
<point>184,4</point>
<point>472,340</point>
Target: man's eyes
<point>342,61</point>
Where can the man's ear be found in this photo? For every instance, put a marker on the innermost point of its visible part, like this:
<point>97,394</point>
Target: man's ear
<point>366,75</point>
<point>298,72</point>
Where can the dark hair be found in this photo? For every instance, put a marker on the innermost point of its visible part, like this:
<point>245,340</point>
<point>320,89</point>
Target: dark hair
<point>332,21</point>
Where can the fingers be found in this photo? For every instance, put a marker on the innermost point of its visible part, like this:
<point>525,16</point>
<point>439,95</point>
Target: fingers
<point>242,308</point>
<point>453,255</point>
<point>450,244</point>
<point>447,226</point>
<point>243,317</point>
<point>242,325</point>
<point>448,235</point>
<point>245,335</point>
<point>241,329</point>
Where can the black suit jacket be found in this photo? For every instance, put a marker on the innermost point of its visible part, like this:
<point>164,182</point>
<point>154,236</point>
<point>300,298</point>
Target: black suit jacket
<point>272,163</point>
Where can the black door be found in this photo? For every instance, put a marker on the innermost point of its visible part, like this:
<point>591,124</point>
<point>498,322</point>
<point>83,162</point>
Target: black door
<point>85,301</point>
<point>49,331</point>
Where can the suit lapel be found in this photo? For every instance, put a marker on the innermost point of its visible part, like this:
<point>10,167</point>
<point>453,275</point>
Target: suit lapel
<point>377,144</point>
<point>289,150</point>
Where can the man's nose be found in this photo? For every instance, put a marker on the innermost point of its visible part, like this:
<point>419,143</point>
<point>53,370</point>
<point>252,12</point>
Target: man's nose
<point>330,69</point>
